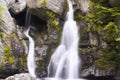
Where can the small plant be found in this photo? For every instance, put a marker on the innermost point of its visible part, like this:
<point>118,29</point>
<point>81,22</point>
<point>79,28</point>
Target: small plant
<point>43,3</point>
<point>8,56</point>
<point>53,21</point>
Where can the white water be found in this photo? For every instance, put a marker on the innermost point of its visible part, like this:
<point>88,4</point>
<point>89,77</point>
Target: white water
<point>64,63</point>
<point>30,58</point>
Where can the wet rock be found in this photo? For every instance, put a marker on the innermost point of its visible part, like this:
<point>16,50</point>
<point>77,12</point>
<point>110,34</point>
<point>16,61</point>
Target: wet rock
<point>93,70</point>
<point>22,76</point>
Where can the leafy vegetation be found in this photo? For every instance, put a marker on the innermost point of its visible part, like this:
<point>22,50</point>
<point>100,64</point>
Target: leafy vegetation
<point>43,3</point>
<point>8,56</point>
<point>53,21</point>
<point>102,19</point>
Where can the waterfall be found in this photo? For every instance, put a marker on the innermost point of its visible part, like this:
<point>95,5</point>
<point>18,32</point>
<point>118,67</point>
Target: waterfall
<point>65,62</point>
<point>30,58</point>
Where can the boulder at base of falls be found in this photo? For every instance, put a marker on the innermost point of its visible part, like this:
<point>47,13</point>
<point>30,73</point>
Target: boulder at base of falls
<point>22,76</point>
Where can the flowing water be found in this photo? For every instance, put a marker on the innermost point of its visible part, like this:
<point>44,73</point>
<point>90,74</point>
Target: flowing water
<point>65,62</point>
<point>30,58</point>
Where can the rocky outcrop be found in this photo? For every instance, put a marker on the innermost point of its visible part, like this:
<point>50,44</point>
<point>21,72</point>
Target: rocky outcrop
<point>12,46</point>
<point>81,5</point>
<point>93,51</point>
<point>39,7</point>
<point>22,76</point>
<point>16,6</point>
<point>8,25</point>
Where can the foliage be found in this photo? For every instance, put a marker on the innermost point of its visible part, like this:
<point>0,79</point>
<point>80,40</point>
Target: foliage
<point>78,16</point>
<point>108,60</point>
<point>101,18</point>
<point>22,59</point>
<point>43,3</point>
<point>8,56</point>
<point>53,21</point>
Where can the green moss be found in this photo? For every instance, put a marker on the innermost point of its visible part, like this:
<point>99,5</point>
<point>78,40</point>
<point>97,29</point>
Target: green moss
<point>22,59</point>
<point>11,60</point>
<point>79,17</point>
<point>105,64</point>
<point>110,32</point>
<point>49,38</point>
<point>80,49</point>
<point>108,60</point>
<point>8,56</point>
<point>102,18</point>
<point>43,3</point>
<point>53,21</point>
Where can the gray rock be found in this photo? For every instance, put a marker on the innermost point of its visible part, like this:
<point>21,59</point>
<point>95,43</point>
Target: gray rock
<point>10,44</point>
<point>9,2</point>
<point>18,6</point>
<point>82,5</point>
<point>22,76</point>
<point>41,51</point>
<point>39,7</point>
<point>8,25</point>
<point>93,70</point>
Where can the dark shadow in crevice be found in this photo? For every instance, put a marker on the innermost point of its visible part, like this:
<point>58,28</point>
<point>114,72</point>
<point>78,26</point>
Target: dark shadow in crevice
<point>38,23</point>
<point>92,77</point>
<point>20,19</point>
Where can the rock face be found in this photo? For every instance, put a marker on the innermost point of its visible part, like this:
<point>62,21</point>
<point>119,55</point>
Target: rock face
<point>56,6</point>
<point>16,6</point>
<point>47,18</point>
<point>7,20</point>
<point>82,5</point>
<point>91,52</point>
<point>11,44</point>
<point>39,7</point>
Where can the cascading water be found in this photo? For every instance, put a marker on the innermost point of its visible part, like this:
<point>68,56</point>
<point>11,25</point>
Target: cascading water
<point>30,58</point>
<point>64,63</point>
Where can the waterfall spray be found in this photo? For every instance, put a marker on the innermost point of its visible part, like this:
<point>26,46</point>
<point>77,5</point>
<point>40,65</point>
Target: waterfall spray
<point>64,63</point>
